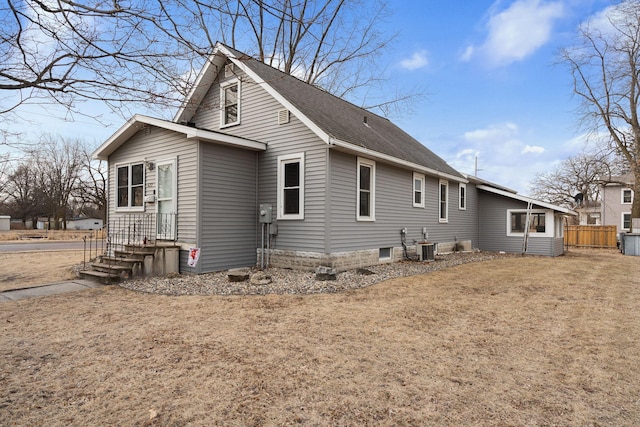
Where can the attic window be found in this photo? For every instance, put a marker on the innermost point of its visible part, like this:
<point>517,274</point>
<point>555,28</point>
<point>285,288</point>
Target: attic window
<point>283,117</point>
<point>230,103</point>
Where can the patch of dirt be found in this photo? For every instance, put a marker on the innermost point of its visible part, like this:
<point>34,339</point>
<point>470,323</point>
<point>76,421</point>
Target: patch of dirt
<point>510,341</point>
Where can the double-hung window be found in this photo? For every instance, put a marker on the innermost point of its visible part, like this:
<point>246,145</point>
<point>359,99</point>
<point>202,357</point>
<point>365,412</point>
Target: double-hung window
<point>626,221</point>
<point>291,186</point>
<point>130,179</point>
<point>365,209</point>
<point>418,190</point>
<point>443,205</point>
<point>462,196</point>
<point>627,196</point>
<point>230,103</point>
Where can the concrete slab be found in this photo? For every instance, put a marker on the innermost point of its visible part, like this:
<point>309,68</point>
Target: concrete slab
<point>48,289</point>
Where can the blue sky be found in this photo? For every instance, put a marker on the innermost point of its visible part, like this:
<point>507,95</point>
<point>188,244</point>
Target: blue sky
<point>493,87</point>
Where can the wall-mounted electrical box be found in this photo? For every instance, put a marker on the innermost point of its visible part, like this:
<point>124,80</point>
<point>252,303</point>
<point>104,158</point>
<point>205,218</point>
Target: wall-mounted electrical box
<point>265,213</point>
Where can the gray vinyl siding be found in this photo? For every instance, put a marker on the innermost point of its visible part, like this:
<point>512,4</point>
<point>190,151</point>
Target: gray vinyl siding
<point>612,206</point>
<point>228,212</point>
<point>393,209</point>
<point>159,144</point>
<point>259,112</point>
<point>492,215</point>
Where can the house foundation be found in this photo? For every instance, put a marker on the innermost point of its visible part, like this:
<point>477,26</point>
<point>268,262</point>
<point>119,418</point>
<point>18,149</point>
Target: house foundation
<point>349,260</point>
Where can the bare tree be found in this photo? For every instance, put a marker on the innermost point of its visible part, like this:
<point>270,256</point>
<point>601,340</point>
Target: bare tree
<point>57,164</point>
<point>64,52</point>
<point>576,181</point>
<point>22,194</point>
<point>91,189</point>
<point>605,66</point>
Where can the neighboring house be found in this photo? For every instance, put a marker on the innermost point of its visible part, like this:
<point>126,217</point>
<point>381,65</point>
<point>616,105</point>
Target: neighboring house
<point>589,213</point>
<point>337,183</point>
<point>617,199</point>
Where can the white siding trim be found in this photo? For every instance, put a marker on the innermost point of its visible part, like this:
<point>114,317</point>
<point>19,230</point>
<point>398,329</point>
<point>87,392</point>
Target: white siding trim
<point>420,178</point>
<point>462,196</point>
<point>443,184</point>
<point>223,86</point>
<point>549,223</point>
<point>372,191</point>
<point>120,209</point>
<point>622,227</point>
<point>282,160</point>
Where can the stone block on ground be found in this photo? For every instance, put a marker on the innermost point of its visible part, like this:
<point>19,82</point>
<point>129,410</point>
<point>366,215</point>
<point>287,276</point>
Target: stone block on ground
<point>238,274</point>
<point>325,273</point>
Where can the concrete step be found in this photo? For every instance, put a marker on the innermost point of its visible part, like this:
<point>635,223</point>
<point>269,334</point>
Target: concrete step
<point>100,276</point>
<point>122,260</point>
<point>111,268</point>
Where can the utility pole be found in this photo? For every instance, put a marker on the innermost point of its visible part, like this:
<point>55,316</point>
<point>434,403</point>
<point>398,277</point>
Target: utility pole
<point>476,170</point>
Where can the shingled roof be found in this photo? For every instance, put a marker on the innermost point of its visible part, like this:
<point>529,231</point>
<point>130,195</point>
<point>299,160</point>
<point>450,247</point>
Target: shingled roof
<point>342,121</point>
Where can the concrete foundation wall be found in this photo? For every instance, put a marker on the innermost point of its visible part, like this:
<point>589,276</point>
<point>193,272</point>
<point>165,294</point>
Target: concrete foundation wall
<point>342,261</point>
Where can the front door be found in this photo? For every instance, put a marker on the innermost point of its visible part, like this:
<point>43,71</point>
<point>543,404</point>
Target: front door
<point>166,191</point>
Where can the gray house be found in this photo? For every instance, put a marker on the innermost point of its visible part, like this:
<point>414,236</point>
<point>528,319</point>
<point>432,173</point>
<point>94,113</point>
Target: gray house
<point>258,163</point>
<point>617,199</point>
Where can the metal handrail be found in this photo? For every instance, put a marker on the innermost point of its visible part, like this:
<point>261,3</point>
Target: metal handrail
<point>136,230</point>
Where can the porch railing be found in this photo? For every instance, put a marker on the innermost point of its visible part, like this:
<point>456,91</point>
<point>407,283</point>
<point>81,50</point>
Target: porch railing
<point>131,231</point>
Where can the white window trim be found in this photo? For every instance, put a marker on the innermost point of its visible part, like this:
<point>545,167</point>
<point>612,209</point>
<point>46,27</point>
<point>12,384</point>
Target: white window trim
<point>622,196</point>
<point>549,223</point>
<point>418,177</point>
<point>144,186</point>
<point>223,86</point>
<point>446,207</point>
<point>372,165</point>
<point>622,222</point>
<point>282,160</point>
<point>462,202</point>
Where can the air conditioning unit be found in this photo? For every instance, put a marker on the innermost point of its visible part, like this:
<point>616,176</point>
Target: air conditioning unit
<point>426,251</point>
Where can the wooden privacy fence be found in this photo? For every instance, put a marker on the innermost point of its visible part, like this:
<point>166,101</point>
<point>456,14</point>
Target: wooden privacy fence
<point>592,236</point>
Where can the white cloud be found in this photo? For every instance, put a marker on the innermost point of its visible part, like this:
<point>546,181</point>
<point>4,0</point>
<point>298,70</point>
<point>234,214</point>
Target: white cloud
<point>535,149</point>
<point>417,60</point>
<point>517,31</point>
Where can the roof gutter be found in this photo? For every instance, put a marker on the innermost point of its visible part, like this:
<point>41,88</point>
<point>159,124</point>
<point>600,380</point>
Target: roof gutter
<point>390,159</point>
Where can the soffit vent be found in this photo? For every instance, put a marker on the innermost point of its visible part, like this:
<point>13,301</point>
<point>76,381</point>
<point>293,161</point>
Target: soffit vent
<point>283,117</point>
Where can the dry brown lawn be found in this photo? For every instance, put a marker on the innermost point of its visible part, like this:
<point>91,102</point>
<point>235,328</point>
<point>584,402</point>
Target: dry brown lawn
<point>45,234</point>
<point>27,269</point>
<point>510,342</point>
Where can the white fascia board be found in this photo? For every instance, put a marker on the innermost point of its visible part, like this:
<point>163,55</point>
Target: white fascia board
<point>390,159</point>
<point>274,93</point>
<point>131,127</point>
<point>200,87</point>
<point>210,136</point>
<point>527,199</point>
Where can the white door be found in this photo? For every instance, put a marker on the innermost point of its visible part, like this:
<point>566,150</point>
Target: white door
<point>166,191</point>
